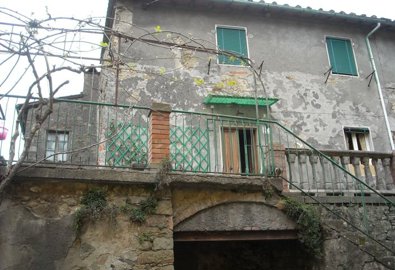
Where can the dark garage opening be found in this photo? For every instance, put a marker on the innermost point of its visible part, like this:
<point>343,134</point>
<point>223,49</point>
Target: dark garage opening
<point>240,255</point>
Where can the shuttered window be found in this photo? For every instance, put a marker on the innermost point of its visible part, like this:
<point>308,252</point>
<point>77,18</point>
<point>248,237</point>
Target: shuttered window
<point>240,150</point>
<point>232,40</point>
<point>341,56</point>
<point>357,138</point>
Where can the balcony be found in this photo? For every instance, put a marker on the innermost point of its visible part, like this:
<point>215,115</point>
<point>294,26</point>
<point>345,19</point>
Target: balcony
<point>316,174</point>
<point>91,134</point>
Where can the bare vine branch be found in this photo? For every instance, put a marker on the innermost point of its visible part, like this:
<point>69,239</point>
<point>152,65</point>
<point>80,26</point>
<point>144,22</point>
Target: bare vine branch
<point>57,42</point>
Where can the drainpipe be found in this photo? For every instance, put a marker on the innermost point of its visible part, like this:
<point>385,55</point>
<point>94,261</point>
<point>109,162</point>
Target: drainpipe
<point>376,77</point>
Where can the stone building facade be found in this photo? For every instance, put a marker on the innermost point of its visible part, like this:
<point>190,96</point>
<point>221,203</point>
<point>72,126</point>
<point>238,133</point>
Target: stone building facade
<point>201,211</point>
<point>226,222</point>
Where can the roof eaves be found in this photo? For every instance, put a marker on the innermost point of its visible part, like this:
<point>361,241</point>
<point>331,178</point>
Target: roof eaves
<point>309,10</point>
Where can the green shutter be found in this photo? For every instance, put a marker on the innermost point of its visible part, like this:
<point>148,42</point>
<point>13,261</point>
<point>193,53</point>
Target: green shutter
<point>233,41</point>
<point>341,56</point>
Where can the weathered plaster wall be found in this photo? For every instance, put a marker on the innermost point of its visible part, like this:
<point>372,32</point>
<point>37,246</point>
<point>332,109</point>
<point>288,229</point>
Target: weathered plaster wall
<point>383,50</point>
<point>295,58</point>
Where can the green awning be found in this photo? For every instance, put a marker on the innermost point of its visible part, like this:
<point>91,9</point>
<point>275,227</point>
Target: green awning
<point>245,101</point>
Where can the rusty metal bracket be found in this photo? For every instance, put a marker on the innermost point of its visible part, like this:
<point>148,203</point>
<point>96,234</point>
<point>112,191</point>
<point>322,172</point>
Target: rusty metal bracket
<point>371,77</point>
<point>146,5</point>
<point>260,68</point>
<point>2,116</point>
<point>328,73</point>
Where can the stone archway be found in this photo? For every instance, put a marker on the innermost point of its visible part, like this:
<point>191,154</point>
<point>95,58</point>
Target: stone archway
<point>238,235</point>
<point>251,220</point>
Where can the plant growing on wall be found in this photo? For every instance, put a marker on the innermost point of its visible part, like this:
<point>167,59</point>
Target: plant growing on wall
<point>308,222</point>
<point>267,190</point>
<point>139,214</point>
<point>93,204</point>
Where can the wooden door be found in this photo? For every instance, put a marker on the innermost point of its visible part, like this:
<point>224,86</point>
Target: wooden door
<point>230,146</point>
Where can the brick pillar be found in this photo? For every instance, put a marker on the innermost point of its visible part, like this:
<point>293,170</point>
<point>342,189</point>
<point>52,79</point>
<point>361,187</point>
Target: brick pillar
<point>159,140</point>
<point>280,162</point>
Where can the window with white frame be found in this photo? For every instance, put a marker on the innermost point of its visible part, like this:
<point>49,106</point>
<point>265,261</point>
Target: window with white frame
<point>341,56</point>
<point>357,139</point>
<point>232,40</point>
<point>57,142</point>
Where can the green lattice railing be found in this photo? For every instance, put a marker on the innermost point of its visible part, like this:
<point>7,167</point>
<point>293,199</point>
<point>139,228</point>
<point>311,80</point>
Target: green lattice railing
<point>219,144</point>
<point>128,144</point>
<point>189,148</point>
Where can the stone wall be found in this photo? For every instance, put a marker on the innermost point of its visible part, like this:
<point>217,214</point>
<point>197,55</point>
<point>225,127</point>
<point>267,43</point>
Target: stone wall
<point>36,221</point>
<point>37,214</point>
<point>345,248</point>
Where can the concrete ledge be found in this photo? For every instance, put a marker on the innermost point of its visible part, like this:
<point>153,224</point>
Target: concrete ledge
<point>231,236</point>
<point>190,180</point>
<point>220,181</point>
<point>86,174</point>
<point>126,176</point>
<point>373,199</point>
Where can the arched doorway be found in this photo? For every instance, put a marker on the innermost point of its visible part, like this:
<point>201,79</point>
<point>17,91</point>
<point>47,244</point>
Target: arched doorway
<point>238,235</point>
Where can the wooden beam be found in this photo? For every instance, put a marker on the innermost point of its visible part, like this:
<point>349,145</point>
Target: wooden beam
<point>235,236</point>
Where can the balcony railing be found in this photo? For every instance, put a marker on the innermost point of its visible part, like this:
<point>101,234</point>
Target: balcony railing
<point>86,133</point>
<point>80,132</point>
<point>220,144</point>
<point>314,173</point>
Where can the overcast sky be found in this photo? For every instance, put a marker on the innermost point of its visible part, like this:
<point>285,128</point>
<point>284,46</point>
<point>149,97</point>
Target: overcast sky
<point>85,8</point>
<point>97,8</point>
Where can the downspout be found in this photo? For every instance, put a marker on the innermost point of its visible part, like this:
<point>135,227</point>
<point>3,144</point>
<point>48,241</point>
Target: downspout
<point>376,77</point>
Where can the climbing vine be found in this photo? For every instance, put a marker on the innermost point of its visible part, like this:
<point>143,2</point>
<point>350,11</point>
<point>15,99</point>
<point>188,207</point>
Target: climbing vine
<point>309,224</point>
<point>267,190</point>
<point>165,167</point>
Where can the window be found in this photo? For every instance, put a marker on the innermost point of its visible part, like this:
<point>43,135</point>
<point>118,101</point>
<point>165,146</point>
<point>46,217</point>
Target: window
<point>57,142</point>
<point>239,150</point>
<point>232,40</point>
<point>341,56</point>
<point>357,139</point>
